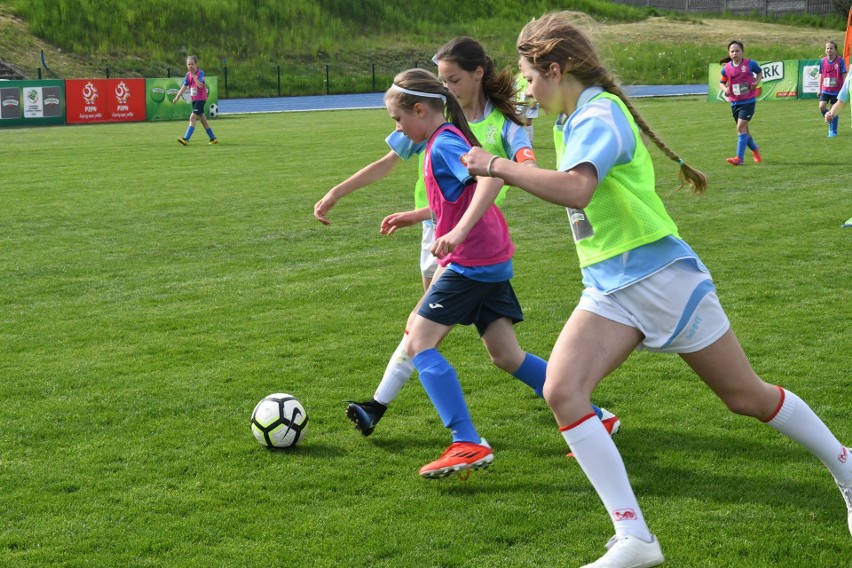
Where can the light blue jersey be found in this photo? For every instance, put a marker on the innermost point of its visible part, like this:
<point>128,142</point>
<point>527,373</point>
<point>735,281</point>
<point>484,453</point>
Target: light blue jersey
<point>598,133</point>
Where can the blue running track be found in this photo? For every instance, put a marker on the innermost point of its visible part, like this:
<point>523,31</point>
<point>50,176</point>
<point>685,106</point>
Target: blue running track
<point>376,100</point>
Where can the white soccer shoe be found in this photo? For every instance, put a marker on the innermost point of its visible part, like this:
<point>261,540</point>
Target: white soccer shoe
<point>629,552</point>
<point>846,491</point>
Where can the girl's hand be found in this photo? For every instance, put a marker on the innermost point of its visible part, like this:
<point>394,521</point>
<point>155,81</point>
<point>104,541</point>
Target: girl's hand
<point>396,221</point>
<point>322,207</point>
<point>447,244</point>
<point>477,161</point>
<point>828,116</point>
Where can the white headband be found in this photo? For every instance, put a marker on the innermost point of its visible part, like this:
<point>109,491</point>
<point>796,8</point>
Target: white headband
<point>419,93</point>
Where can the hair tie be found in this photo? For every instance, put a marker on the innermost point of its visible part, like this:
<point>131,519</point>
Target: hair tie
<point>419,93</point>
<point>680,162</point>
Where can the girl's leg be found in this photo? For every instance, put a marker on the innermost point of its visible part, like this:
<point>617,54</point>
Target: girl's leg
<point>742,138</point>
<point>502,344</point>
<point>366,415</point>
<point>724,367</point>
<point>589,348</point>
<point>206,126</point>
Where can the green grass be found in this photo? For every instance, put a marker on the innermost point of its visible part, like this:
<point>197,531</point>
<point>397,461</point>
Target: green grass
<point>151,294</point>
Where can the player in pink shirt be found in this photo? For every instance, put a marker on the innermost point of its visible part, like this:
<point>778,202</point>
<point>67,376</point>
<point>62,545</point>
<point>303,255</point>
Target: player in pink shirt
<point>194,81</point>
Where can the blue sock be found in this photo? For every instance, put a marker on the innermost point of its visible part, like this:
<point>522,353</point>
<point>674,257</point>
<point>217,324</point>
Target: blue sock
<point>210,133</point>
<point>532,373</point>
<point>189,132</point>
<point>834,122</point>
<point>441,383</point>
<point>752,145</point>
<point>741,145</point>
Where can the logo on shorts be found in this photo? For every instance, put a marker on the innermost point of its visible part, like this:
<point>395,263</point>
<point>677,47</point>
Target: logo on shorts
<point>844,455</point>
<point>624,515</point>
<point>435,306</point>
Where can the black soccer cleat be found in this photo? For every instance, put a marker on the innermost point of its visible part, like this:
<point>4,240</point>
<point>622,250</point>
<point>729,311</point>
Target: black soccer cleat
<point>365,415</point>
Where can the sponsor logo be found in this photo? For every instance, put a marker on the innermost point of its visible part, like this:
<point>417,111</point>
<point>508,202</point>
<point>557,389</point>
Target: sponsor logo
<point>435,306</point>
<point>122,93</point>
<point>844,455</point>
<point>624,515</point>
<point>32,95</point>
<point>90,93</point>
<point>11,102</point>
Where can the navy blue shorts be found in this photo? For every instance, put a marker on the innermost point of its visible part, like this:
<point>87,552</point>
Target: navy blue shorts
<point>742,111</point>
<point>828,97</point>
<point>456,299</point>
<point>198,107</point>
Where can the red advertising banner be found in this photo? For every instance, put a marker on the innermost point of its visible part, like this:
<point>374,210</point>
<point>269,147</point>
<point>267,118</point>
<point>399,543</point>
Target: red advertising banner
<point>104,100</point>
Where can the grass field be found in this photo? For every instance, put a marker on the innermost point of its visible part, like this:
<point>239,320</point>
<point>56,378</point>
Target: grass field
<point>151,294</point>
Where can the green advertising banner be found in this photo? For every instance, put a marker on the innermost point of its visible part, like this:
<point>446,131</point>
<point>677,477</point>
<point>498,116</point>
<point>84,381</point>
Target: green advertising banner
<point>160,92</point>
<point>809,78</point>
<point>780,82</point>
<point>29,103</point>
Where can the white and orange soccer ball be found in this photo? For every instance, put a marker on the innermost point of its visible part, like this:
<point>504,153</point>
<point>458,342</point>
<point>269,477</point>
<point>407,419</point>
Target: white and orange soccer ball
<point>279,421</point>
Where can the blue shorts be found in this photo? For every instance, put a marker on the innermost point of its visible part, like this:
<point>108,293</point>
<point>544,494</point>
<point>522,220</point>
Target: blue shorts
<point>742,111</point>
<point>198,107</point>
<point>828,97</point>
<point>455,299</point>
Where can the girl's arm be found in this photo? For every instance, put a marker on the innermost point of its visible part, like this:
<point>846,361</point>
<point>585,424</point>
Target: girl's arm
<point>396,221</point>
<point>372,173</point>
<point>573,188</point>
<point>835,110</point>
<point>179,93</point>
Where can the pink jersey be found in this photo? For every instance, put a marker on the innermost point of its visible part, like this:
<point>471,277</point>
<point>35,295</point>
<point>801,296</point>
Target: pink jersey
<point>740,80</point>
<point>488,242</point>
<point>831,75</point>
<point>198,91</point>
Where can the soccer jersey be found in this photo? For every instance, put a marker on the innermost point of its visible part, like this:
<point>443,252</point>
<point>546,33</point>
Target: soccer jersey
<point>633,235</point>
<point>843,95</point>
<point>831,75</point>
<point>197,89</point>
<point>501,137</point>
<point>740,79</point>
<point>450,188</point>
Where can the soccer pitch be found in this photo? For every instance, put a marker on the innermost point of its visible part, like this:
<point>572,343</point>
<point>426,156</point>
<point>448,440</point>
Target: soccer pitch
<point>151,294</point>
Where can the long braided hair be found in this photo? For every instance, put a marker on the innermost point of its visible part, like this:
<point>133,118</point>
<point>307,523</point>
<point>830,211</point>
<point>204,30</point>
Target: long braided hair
<point>554,38</point>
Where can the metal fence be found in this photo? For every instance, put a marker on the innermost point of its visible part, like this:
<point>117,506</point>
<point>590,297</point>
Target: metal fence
<point>738,7</point>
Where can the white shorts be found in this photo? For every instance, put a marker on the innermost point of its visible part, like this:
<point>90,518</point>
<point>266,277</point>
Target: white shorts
<point>676,309</point>
<point>428,261</point>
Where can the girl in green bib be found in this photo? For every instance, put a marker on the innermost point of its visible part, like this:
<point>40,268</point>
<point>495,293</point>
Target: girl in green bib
<point>488,99</point>
<point>644,286</point>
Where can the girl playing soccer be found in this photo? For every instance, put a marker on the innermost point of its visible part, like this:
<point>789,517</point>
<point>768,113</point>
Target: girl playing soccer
<point>832,73</point>
<point>487,97</point>
<point>474,250</point>
<point>645,287</point>
<point>740,81</point>
<point>194,81</point>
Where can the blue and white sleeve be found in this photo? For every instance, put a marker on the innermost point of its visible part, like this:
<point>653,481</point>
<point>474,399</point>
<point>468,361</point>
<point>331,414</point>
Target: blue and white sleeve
<point>599,134</point>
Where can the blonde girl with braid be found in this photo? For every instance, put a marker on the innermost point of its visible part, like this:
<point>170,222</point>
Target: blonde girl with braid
<point>645,287</point>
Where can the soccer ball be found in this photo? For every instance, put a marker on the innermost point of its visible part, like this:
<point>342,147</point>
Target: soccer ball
<point>279,421</point>
<point>213,110</point>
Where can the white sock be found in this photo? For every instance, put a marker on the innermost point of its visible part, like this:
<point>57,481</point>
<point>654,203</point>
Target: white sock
<point>794,418</point>
<point>399,370</point>
<point>597,455</point>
